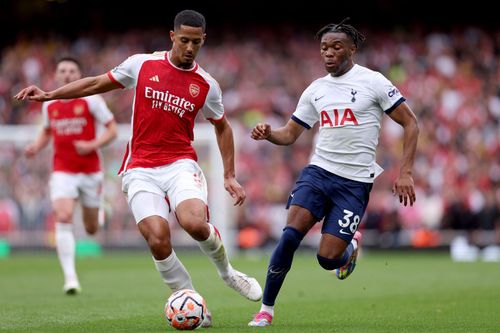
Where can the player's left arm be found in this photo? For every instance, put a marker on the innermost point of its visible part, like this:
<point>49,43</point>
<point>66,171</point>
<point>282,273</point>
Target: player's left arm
<point>103,115</point>
<point>225,141</point>
<point>404,186</point>
<point>108,135</point>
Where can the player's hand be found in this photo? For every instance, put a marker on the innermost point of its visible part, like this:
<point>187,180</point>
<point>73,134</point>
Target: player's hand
<point>261,131</point>
<point>405,189</point>
<point>33,93</point>
<point>236,190</point>
<point>30,150</point>
<point>84,147</point>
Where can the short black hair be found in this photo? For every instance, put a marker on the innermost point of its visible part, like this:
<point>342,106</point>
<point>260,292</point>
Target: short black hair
<point>71,59</point>
<point>190,18</point>
<point>357,37</point>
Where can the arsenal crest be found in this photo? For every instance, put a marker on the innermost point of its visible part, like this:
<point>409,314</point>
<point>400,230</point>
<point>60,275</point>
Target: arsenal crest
<point>78,109</point>
<point>194,89</point>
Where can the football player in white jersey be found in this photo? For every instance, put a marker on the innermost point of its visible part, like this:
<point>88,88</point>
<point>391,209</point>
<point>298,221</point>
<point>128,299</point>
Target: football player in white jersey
<point>349,103</point>
<point>77,174</point>
<point>161,178</point>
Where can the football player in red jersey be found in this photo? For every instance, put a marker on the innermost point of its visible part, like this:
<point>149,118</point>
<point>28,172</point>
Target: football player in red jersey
<point>72,126</point>
<point>160,175</point>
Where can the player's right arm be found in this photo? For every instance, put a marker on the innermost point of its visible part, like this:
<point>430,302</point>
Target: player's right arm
<point>283,136</point>
<point>40,142</point>
<point>79,88</point>
<point>305,116</point>
<point>122,76</point>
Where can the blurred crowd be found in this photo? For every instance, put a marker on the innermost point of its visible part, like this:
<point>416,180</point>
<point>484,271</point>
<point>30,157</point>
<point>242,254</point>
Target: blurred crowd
<point>450,79</point>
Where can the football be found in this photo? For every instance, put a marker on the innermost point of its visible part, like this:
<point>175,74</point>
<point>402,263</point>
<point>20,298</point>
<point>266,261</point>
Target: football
<point>185,309</point>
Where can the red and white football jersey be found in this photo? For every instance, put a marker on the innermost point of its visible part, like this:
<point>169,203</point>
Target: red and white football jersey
<point>73,120</point>
<point>167,100</point>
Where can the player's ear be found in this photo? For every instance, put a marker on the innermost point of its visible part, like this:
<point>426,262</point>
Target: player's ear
<point>172,35</point>
<point>352,49</point>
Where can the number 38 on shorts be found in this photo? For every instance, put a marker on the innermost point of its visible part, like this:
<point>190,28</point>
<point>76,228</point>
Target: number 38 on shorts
<point>349,221</point>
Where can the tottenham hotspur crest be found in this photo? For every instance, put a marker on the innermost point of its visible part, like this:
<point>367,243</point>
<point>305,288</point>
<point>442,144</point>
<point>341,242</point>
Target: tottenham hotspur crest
<point>353,93</point>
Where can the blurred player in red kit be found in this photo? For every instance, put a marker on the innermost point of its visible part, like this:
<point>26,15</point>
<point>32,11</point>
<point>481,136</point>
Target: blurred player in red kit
<point>77,175</point>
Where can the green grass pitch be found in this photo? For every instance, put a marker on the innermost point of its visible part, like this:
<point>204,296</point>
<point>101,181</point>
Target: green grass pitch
<point>388,292</point>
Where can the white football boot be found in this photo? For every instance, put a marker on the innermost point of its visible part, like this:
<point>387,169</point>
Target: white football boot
<point>247,286</point>
<point>72,287</point>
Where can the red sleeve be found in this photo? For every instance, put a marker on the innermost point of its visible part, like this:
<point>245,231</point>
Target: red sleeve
<point>112,78</point>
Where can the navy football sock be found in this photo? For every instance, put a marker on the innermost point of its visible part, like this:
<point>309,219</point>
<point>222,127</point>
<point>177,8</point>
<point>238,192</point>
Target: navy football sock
<point>281,261</point>
<point>331,264</point>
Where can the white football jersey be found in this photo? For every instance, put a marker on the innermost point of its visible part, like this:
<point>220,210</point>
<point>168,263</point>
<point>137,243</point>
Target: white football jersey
<point>349,110</point>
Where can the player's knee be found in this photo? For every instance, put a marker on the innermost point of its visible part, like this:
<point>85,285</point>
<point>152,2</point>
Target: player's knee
<point>329,264</point>
<point>194,221</point>
<point>159,246</point>
<point>198,229</point>
<point>64,216</point>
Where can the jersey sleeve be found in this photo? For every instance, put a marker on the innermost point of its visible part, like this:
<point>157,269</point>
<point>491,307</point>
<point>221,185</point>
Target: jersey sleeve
<point>45,115</point>
<point>125,74</point>
<point>305,114</point>
<point>213,109</point>
<point>387,95</point>
<point>99,109</point>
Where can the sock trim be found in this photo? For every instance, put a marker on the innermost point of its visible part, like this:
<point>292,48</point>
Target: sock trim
<point>165,264</point>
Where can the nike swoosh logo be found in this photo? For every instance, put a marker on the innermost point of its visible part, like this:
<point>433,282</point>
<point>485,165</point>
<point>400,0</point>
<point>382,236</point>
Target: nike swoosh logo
<point>292,195</point>
<point>272,271</point>
<point>344,232</point>
<point>318,98</point>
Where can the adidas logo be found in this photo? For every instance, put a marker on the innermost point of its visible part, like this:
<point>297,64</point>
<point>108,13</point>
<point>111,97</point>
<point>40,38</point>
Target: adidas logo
<point>154,78</point>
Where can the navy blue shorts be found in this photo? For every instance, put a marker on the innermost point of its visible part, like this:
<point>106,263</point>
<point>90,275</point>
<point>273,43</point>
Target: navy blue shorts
<point>340,201</point>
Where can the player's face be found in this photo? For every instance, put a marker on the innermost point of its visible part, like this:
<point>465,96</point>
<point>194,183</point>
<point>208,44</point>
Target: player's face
<point>337,50</point>
<point>187,41</point>
<point>66,72</point>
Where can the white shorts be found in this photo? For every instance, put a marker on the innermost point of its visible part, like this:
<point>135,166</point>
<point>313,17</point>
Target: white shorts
<point>177,181</point>
<point>85,186</point>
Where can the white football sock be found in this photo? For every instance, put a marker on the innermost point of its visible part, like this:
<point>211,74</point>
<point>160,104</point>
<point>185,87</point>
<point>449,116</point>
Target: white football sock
<point>65,246</point>
<point>269,309</point>
<point>215,250</point>
<point>174,273</point>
